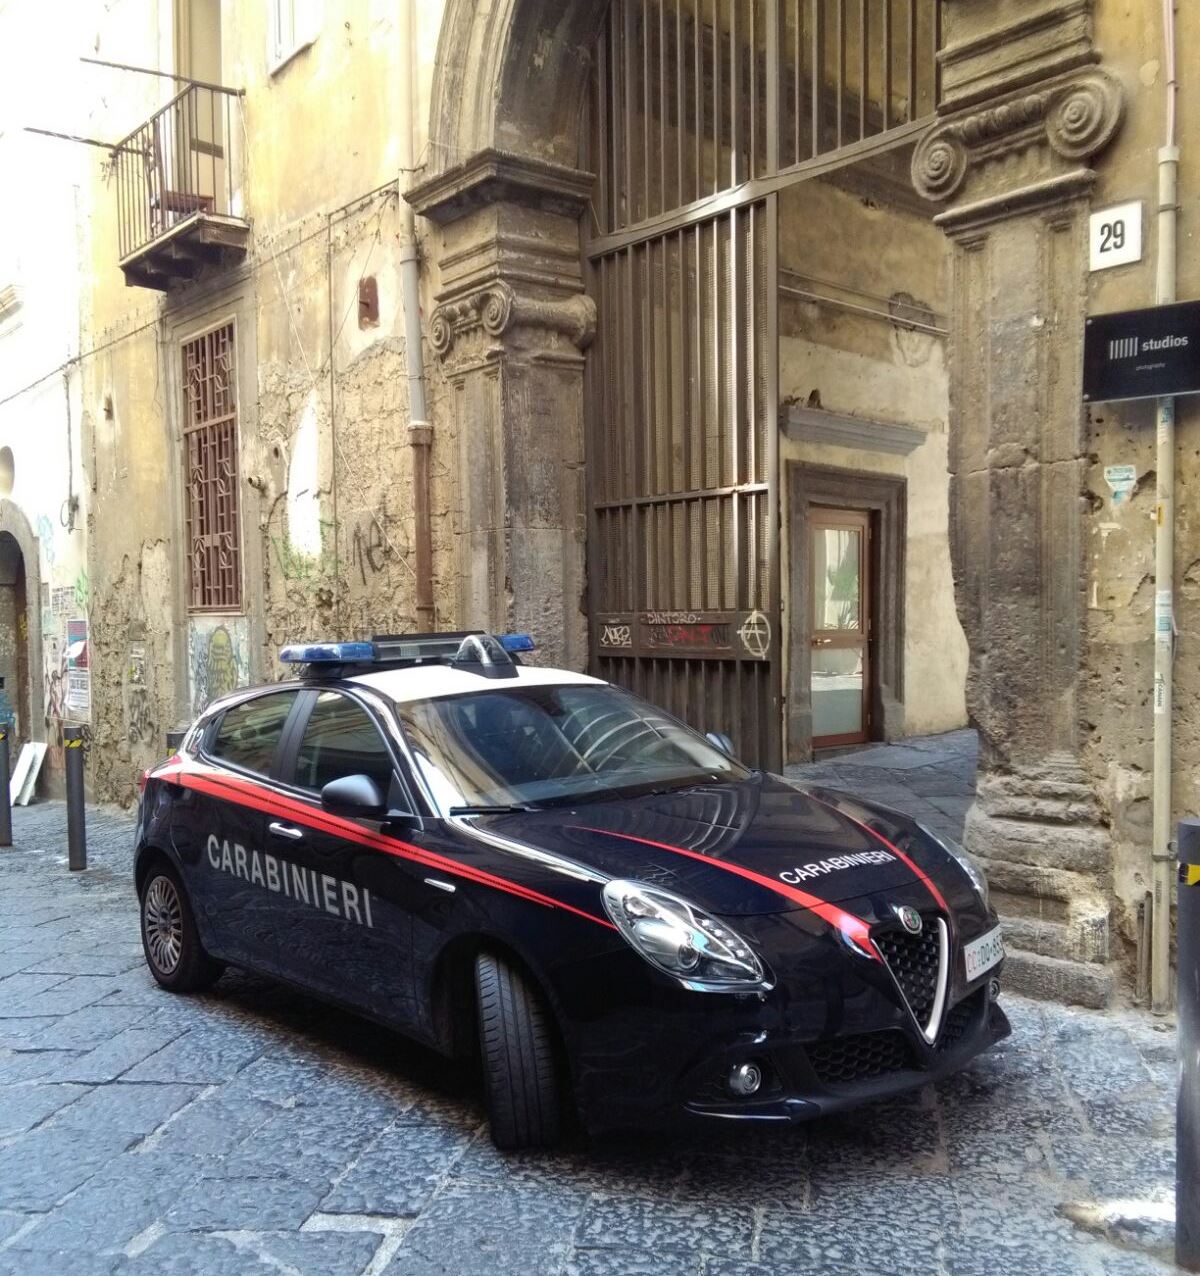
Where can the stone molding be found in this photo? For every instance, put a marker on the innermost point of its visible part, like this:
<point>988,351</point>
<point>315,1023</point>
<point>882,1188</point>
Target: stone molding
<point>491,312</point>
<point>1077,116</point>
<point>816,425</point>
<point>491,177</point>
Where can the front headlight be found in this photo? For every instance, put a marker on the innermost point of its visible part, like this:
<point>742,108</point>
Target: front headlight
<point>701,952</point>
<point>968,865</point>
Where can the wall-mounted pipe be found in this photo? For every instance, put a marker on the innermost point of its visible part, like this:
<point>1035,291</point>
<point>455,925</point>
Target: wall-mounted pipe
<point>420,431</point>
<point>1162,860</point>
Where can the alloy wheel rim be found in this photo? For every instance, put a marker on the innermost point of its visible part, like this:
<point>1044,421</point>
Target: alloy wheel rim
<point>162,923</point>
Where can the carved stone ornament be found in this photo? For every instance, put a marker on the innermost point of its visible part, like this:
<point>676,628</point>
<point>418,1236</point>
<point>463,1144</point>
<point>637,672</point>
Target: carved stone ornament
<point>497,309</point>
<point>1076,117</point>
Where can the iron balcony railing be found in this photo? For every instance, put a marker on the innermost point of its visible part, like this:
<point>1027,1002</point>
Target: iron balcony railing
<point>176,166</point>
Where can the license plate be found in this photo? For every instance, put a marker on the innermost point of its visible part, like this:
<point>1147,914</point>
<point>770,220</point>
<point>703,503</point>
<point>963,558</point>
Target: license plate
<point>983,953</point>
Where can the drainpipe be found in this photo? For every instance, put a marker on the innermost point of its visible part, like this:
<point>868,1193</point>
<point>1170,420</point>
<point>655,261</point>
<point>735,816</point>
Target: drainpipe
<point>420,432</point>
<point>1164,558</point>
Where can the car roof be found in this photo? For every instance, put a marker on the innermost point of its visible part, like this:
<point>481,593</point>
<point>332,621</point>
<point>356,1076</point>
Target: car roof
<point>425,681</point>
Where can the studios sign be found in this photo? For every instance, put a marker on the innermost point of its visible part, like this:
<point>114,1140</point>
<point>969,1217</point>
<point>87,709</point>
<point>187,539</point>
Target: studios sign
<point>1142,354</point>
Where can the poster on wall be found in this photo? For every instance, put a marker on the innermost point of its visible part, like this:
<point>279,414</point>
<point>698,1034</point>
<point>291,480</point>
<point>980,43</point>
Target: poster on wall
<point>78,698</point>
<point>218,657</point>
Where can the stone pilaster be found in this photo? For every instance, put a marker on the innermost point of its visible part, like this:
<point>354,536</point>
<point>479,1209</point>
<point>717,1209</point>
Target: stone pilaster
<point>508,335</point>
<point>1026,108</point>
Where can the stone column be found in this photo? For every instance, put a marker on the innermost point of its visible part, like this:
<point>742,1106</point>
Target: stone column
<point>1025,108</point>
<point>508,335</point>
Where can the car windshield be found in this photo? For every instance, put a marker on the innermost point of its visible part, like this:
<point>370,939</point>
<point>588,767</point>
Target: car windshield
<point>533,746</point>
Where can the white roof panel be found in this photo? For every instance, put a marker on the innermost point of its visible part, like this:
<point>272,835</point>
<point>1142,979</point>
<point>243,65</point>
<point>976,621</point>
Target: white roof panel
<point>425,681</point>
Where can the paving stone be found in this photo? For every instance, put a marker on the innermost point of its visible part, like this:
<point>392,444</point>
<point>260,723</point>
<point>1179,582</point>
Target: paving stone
<point>131,1109</point>
<point>908,1244</point>
<point>398,1173</point>
<point>220,1203</point>
<point>480,1230</point>
<point>24,1106</point>
<point>85,1029</point>
<point>608,1262</point>
<point>77,1262</point>
<point>41,1167</point>
<point>666,1225</point>
<point>258,1254</point>
<point>198,1057</point>
<point>118,1054</point>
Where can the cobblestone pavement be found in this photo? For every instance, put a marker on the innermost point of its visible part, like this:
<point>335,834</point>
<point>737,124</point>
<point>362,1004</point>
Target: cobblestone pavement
<point>252,1130</point>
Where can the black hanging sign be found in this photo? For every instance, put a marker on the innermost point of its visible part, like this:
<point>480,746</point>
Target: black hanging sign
<point>1142,354</point>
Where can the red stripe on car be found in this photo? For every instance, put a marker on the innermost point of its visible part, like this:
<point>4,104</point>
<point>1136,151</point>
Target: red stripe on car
<point>926,880</point>
<point>853,927</point>
<point>247,793</point>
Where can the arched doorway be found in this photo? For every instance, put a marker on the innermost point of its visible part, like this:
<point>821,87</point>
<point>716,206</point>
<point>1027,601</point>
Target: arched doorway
<point>14,643</point>
<point>22,694</point>
<point>670,132</point>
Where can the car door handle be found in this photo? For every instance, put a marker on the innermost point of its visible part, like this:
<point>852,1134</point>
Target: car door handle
<point>290,831</point>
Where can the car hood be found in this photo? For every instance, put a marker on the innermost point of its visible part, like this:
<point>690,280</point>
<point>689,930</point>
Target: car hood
<point>761,845</point>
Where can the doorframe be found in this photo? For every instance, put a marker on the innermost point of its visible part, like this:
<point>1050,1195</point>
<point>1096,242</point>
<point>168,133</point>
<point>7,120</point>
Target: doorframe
<point>885,498</point>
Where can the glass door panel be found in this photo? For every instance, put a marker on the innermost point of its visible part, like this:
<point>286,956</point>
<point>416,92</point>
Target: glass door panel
<point>840,626</point>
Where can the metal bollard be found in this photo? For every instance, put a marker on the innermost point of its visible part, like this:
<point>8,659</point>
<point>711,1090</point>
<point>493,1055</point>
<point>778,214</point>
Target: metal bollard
<point>1187,1111</point>
<point>76,823</point>
<point>5,799</point>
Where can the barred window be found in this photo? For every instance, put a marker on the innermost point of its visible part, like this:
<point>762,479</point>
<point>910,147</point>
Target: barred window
<point>210,453</point>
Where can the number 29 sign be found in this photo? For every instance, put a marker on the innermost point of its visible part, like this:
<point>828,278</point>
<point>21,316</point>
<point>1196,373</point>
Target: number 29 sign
<point>1116,236</point>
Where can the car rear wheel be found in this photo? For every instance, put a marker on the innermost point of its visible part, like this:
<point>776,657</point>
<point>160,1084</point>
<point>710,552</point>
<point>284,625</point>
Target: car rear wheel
<point>170,939</point>
<point>520,1072</point>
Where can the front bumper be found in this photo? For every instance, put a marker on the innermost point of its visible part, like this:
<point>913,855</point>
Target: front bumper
<point>835,1031</point>
<point>802,1080</point>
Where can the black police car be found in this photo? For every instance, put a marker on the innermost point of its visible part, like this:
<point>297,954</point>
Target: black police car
<point>532,866</point>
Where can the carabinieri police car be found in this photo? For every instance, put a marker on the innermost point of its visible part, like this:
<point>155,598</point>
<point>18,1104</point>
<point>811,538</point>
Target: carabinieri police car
<point>622,923</point>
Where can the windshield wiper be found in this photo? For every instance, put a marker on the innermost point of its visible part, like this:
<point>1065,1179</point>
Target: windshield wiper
<point>491,810</point>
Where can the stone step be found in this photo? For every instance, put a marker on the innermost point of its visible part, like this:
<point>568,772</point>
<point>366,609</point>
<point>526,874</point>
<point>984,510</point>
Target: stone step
<point>1084,941</point>
<point>1054,979</point>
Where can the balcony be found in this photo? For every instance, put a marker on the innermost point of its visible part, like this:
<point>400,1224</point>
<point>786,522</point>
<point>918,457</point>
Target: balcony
<point>175,184</point>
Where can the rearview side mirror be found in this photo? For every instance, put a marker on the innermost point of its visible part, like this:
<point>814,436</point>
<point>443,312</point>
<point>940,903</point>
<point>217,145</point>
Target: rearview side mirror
<point>354,795</point>
<point>719,740</point>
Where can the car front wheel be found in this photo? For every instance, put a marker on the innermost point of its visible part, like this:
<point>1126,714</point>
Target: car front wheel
<point>520,1072</point>
<point>170,939</point>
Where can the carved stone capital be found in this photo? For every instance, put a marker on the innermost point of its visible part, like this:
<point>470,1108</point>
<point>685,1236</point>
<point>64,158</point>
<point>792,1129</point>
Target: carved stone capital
<point>470,324</point>
<point>1072,118</point>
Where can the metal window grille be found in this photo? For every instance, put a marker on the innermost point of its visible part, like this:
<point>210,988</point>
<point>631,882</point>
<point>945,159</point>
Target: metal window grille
<point>210,456</point>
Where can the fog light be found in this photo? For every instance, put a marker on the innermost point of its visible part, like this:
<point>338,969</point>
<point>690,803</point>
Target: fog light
<point>745,1079</point>
<point>993,989</point>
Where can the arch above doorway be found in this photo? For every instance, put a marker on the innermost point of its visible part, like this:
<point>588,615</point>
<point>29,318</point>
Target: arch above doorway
<point>14,522</point>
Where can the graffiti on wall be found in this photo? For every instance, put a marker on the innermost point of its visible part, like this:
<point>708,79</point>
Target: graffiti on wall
<point>138,724</point>
<point>218,657</point>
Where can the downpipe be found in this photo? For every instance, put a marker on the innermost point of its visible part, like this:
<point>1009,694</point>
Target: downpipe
<point>1162,861</point>
<point>420,431</point>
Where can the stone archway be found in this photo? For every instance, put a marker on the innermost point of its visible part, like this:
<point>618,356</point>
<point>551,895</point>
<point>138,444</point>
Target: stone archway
<point>20,570</point>
<point>505,193</point>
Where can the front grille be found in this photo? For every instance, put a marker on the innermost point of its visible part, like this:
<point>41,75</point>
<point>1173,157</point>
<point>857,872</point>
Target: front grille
<point>856,1058</point>
<point>914,961</point>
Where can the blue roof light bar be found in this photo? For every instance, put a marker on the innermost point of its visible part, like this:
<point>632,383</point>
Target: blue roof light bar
<point>516,642</point>
<point>327,653</point>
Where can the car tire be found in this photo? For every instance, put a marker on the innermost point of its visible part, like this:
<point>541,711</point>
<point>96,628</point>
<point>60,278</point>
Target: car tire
<point>520,1072</point>
<point>170,940</point>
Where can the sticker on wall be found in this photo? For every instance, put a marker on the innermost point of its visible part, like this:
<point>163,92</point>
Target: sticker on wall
<point>1121,479</point>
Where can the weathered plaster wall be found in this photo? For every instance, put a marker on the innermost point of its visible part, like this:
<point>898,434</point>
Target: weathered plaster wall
<point>867,367</point>
<point>1117,682</point>
<point>325,467</point>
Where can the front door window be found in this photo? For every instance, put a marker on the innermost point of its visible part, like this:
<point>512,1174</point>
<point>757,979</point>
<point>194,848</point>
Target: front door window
<point>840,627</point>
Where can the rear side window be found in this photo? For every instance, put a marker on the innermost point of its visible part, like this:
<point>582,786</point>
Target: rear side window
<point>249,733</point>
<point>341,740</point>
